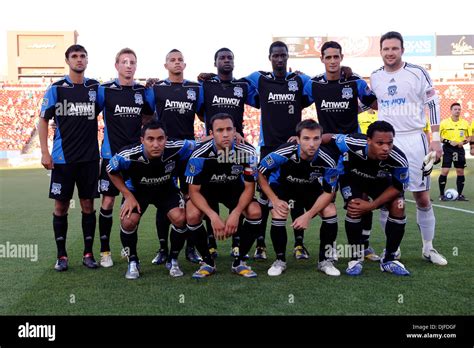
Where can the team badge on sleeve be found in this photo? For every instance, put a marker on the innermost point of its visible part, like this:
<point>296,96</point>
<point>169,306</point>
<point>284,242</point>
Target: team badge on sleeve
<point>292,86</point>
<point>192,169</point>
<point>269,161</point>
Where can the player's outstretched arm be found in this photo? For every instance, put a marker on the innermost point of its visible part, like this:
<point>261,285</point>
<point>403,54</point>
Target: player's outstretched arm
<point>130,202</point>
<point>302,222</point>
<point>359,207</point>
<point>201,203</point>
<point>281,207</point>
<point>46,159</point>
<point>232,222</point>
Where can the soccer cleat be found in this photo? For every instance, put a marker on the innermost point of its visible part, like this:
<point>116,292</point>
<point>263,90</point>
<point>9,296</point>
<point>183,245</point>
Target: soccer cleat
<point>89,261</point>
<point>106,259</point>
<point>244,270</point>
<point>354,268</point>
<point>436,258</point>
<point>260,253</point>
<point>204,271</point>
<point>192,255</point>
<point>61,264</point>
<point>397,256</point>
<point>443,198</point>
<point>235,252</point>
<point>213,252</point>
<point>175,271</point>
<point>327,266</point>
<point>133,270</point>
<point>394,267</point>
<point>369,254</point>
<point>277,268</point>
<point>462,198</point>
<point>300,252</point>
<point>160,257</point>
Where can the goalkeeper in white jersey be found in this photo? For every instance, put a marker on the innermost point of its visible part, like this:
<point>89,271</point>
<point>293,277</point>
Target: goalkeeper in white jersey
<point>403,93</point>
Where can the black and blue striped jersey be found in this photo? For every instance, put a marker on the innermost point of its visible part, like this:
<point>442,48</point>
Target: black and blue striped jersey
<point>281,102</point>
<point>149,176</point>
<point>176,105</point>
<point>122,108</point>
<point>74,109</point>
<point>222,170</point>
<point>353,148</point>
<point>229,97</point>
<point>285,167</point>
<point>337,102</point>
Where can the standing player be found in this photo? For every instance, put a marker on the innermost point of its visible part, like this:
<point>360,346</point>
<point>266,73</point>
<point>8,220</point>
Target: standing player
<point>403,90</point>
<point>176,103</point>
<point>125,108</point>
<point>72,102</point>
<point>305,173</point>
<point>150,169</point>
<point>455,133</point>
<point>282,101</point>
<point>224,94</point>
<point>222,171</point>
<point>337,100</point>
<point>471,142</point>
<point>375,168</point>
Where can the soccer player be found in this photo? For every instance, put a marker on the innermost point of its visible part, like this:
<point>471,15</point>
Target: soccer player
<point>72,103</point>
<point>222,171</point>
<point>150,168</point>
<point>337,99</point>
<point>373,167</point>
<point>403,90</point>
<point>280,94</point>
<point>125,108</point>
<point>222,93</point>
<point>176,101</point>
<point>303,172</point>
<point>471,142</point>
<point>455,133</point>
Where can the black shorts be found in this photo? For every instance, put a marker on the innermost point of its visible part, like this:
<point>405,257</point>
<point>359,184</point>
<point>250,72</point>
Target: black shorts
<point>229,198</point>
<point>299,198</point>
<point>106,187</point>
<point>356,187</point>
<point>169,198</point>
<point>453,155</point>
<point>64,176</point>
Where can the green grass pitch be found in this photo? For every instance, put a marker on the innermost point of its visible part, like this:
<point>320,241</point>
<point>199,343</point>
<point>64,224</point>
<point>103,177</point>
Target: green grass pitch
<point>34,288</point>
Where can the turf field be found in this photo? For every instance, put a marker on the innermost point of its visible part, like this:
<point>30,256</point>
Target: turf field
<point>35,288</point>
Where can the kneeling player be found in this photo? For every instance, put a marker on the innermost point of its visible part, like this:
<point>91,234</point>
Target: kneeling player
<point>221,171</point>
<point>150,167</point>
<point>306,173</point>
<point>373,166</point>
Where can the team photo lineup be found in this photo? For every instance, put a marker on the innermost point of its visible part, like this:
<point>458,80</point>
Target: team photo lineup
<point>149,155</point>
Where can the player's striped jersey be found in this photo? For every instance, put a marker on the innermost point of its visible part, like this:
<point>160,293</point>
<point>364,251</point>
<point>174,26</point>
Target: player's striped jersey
<point>402,96</point>
<point>74,109</point>
<point>149,176</point>
<point>122,108</point>
<point>286,168</point>
<point>222,170</point>
<point>229,97</point>
<point>281,102</point>
<point>353,148</point>
<point>455,131</point>
<point>337,102</point>
<point>176,106</point>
